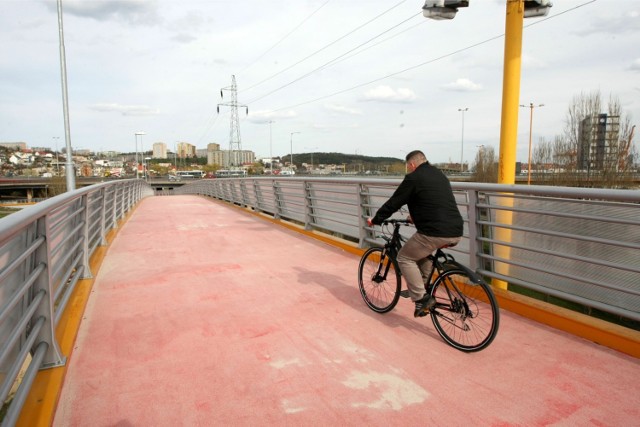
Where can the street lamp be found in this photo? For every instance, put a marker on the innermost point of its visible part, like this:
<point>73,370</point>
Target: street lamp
<point>136,135</point>
<point>145,167</point>
<point>462,110</point>
<point>55,140</point>
<point>313,148</point>
<point>531,107</point>
<point>291,142</point>
<point>271,147</point>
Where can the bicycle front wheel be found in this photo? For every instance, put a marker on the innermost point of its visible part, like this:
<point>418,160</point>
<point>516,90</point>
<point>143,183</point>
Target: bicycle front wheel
<point>466,314</point>
<point>379,280</point>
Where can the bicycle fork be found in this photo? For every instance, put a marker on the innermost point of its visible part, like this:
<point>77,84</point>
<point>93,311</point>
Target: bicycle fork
<point>380,275</point>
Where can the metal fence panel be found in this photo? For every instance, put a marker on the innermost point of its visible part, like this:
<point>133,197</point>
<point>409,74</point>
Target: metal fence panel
<point>578,244</point>
<point>44,251</point>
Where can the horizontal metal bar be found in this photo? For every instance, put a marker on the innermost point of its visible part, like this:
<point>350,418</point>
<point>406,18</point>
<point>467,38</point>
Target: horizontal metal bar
<point>16,366</point>
<point>21,258</point>
<point>20,291</point>
<point>11,417</point>
<point>21,326</point>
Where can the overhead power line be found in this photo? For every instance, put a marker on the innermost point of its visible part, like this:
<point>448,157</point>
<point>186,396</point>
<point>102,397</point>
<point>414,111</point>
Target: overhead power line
<point>333,61</point>
<point>422,64</point>
<point>283,38</point>
<point>325,47</point>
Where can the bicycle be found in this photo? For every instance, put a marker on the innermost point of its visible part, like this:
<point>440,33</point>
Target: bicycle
<point>466,314</point>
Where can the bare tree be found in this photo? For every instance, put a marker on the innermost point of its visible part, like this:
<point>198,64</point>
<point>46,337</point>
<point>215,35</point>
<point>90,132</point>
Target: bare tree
<point>596,148</point>
<point>485,165</point>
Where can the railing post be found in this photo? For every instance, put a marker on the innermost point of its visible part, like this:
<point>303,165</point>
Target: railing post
<point>258,195</point>
<point>364,202</point>
<point>278,202</point>
<point>86,273</point>
<point>46,308</point>
<point>474,230</point>
<point>308,206</point>
<point>103,218</point>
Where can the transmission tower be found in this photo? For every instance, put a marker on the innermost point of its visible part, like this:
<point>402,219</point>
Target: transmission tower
<point>235,143</point>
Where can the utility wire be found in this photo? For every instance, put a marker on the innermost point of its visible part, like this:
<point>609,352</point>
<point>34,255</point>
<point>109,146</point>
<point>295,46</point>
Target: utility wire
<point>283,38</point>
<point>333,61</point>
<point>429,61</point>
<point>325,47</point>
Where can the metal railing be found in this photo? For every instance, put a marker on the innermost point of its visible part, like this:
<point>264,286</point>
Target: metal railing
<point>581,245</point>
<point>44,252</point>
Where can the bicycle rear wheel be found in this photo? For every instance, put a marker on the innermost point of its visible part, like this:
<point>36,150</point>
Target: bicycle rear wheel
<point>466,314</point>
<point>379,280</point>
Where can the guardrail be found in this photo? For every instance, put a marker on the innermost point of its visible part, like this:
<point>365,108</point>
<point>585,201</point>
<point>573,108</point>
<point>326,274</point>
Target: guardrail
<point>44,252</point>
<point>578,244</point>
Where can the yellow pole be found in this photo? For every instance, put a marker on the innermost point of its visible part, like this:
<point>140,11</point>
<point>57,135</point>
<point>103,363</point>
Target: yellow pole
<point>509,128</point>
<point>530,134</point>
<point>511,91</point>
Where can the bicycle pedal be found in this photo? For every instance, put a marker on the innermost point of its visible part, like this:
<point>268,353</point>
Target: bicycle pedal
<point>404,293</point>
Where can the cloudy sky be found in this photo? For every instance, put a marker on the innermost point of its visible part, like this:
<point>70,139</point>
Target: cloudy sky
<point>370,77</point>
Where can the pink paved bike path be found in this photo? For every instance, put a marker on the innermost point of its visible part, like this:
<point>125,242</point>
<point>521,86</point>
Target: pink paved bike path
<point>204,315</point>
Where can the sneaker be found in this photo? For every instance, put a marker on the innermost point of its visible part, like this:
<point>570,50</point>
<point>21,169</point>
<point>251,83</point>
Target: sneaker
<point>424,305</point>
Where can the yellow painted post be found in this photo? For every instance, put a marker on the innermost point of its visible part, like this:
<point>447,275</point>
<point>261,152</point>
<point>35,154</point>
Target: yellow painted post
<point>509,127</point>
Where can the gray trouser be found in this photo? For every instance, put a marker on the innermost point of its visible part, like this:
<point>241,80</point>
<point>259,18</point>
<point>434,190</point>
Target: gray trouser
<point>413,261</point>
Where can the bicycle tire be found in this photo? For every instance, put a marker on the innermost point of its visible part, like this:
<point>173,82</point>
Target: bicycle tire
<point>380,294</point>
<point>466,314</point>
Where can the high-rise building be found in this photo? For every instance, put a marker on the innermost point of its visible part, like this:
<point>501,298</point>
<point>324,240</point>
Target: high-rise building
<point>185,150</point>
<point>232,159</point>
<point>159,150</point>
<point>598,144</point>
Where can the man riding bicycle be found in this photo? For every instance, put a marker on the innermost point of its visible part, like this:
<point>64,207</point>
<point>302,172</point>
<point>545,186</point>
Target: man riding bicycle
<point>433,209</point>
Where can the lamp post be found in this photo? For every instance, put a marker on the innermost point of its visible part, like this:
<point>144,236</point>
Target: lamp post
<point>136,135</point>
<point>55,140</point>
<point>462,110</point>
<point>531,107</point>
<point>271,147</point>
<point>312,148</point>
<point>145,167</point>
<point>291,142</point>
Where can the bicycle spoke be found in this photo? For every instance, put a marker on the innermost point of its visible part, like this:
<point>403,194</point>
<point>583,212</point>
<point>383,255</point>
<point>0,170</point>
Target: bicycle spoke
<point>466,314</point>
<point>379,281</point>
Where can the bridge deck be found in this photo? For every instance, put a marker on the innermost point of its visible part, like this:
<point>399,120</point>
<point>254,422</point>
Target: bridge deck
<point>204,315</point>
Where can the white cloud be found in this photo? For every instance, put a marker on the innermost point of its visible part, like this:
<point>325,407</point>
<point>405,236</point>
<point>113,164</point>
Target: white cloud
<point>133,11</point>
<point>462,85</point>
<point>635,65</point>
<point>342,109</point>
<point>125,110</point>
<point>183,38</point>
<point>388,94</point>
<point>264,116</point>
<point>531,62</point>
<point>613,22</point>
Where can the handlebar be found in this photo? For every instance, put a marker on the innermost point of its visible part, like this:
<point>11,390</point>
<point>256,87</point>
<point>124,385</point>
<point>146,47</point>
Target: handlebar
<point>396,221</point>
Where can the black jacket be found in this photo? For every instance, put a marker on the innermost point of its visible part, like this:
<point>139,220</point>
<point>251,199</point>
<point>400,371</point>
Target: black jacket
<point>427,192</point>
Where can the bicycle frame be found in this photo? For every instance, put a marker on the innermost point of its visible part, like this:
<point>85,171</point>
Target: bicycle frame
<point>393,246</point>
<point>466,313</point>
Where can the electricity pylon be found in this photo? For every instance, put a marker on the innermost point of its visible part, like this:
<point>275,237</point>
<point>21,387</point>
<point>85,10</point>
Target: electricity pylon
<point>235,143</point>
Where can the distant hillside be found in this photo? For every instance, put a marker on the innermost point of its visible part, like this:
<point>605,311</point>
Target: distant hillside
<point>367,162</point>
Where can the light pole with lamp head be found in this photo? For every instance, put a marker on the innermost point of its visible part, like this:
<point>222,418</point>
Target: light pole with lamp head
<point>291,142</point>
<point>531,107</point>
<point>55,139</point>
<point>136,135</point>
<point>271,122</point>
<point>311,148</point>
<point>462,110</point>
